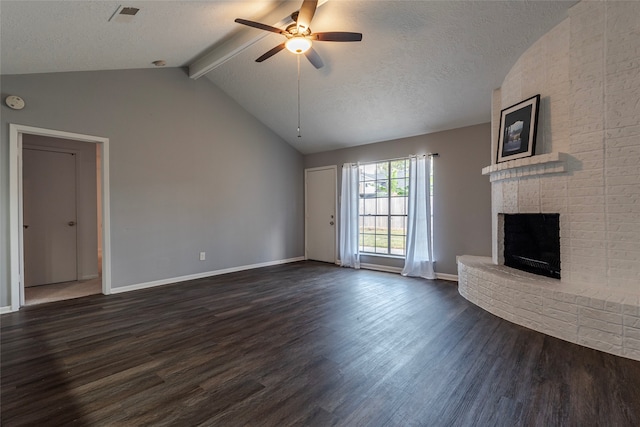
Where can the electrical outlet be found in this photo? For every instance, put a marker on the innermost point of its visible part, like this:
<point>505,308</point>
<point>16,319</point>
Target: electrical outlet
<point>203,256</point>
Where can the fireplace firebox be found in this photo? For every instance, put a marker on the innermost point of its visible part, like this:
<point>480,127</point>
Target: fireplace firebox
<point>532,243</point>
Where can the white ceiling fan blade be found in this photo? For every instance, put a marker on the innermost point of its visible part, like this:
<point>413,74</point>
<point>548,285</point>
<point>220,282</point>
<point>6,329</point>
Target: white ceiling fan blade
<point>307,10</point>
<point>314,58</point>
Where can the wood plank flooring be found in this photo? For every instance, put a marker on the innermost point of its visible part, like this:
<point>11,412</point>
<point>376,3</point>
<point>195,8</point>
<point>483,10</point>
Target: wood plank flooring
<point>300,344</point>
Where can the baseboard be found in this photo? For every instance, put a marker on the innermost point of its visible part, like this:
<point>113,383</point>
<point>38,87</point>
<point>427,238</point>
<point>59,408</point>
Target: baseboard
<point>378,267</point>
<point>89,277</point>
<point>171,280</point>
<point>6,309</point>
<point>388,269</point>
<point>449,277</point>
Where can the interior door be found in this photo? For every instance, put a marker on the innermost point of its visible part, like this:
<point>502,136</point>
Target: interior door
<point>49,216</point>
<point>320,214</point>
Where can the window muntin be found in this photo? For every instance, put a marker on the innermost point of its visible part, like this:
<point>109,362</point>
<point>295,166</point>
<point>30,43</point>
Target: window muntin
<point>384,187</point>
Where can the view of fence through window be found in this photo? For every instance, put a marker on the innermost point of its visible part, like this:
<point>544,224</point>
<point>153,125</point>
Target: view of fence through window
<point>384,187</point>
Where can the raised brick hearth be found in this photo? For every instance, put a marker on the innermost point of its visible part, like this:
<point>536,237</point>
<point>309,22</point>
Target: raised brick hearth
<point>604,319</point>
<point>585,168</point>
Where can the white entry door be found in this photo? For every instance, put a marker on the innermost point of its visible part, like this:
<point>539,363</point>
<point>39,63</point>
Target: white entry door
<point>49,216</point>
<point>320,214</point>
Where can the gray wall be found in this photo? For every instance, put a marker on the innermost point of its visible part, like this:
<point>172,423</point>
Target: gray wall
<point>462,196</point>
<point>190,170</point>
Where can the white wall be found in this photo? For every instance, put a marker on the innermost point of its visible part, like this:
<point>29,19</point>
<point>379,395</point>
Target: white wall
<point>587,71</point>
<point>190,171</point>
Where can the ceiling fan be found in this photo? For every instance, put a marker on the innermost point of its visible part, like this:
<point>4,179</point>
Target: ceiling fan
<point>299,35</point>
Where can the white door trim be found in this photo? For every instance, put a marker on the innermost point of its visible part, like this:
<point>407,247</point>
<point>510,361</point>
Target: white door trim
<point>335,176</point>
<point>16,251</point>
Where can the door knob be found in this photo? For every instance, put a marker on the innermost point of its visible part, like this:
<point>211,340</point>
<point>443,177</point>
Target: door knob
<point>71,223</point>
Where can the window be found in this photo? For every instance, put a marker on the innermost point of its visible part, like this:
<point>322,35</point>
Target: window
<point>383,207</point>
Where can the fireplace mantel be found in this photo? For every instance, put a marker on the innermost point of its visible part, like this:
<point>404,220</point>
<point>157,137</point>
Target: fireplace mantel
<point>527,166</point>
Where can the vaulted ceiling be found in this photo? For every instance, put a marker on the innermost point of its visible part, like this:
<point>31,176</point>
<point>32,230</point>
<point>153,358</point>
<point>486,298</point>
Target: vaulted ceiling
<point>422,66</point>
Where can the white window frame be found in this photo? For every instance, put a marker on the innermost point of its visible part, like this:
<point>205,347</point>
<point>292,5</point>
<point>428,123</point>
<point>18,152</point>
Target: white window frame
<point>388,215</point>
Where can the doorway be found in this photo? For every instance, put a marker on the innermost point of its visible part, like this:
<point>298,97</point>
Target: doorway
<point>320,213</point>
<point>60,188</point>
<point>81,238</point>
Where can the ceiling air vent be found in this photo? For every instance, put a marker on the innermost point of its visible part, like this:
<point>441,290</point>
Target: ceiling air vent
<point>124,14</point>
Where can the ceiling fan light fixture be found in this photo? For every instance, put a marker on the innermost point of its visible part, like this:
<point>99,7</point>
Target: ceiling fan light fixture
<point>298,45</point>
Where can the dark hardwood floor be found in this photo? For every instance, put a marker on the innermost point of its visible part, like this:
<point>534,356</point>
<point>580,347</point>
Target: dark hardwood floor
<point>300,344</point>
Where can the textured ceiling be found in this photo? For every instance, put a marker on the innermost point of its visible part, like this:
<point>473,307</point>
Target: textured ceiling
<point>52,36</point>
<point>423,66</point>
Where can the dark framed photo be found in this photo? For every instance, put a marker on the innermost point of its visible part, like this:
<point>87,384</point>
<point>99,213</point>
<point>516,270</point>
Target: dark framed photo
<point>518,130</point>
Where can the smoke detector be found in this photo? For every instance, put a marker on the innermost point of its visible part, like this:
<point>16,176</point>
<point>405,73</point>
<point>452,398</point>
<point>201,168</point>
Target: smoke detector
<point>14,102</point>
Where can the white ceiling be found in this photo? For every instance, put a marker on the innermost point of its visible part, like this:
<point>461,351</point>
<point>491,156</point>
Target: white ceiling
<point>422,66</point>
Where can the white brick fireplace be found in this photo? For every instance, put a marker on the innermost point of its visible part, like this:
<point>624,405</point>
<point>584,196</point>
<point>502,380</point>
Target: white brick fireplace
<point>587,169</point>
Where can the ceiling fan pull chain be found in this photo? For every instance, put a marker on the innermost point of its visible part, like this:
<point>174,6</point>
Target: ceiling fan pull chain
<point>299,135</point>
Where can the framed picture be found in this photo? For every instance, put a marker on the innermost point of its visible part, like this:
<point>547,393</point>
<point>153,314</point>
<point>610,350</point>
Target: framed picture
<point>518,129</point>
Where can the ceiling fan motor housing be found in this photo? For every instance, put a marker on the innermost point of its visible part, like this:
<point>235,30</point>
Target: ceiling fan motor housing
<point>293,30</point>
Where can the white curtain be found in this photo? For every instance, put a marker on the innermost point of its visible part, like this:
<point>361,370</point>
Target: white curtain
<point>418,262</point>
<point>349,199</point>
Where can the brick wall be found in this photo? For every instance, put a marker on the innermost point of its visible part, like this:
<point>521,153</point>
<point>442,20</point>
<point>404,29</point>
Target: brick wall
<point>587,71</point>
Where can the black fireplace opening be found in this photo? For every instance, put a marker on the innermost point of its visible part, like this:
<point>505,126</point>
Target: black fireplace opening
<point>532,243</point>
